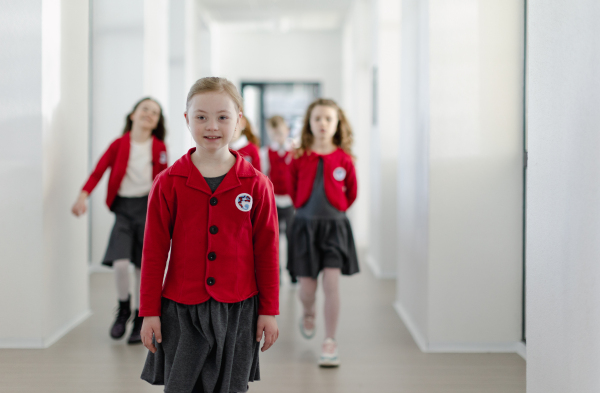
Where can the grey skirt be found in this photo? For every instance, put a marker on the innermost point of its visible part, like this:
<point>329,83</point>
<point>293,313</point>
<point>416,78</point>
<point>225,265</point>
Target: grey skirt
<point>319,243</point>
<point>127,237</point>
<point>207,347</point>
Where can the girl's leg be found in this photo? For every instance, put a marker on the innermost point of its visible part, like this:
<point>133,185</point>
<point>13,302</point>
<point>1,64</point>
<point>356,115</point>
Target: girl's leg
<point>307,294</point>
<point>331,279</point>
<point>121,267</point>
<point>136,289</point>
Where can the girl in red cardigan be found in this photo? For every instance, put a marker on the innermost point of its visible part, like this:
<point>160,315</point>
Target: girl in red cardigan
<point>135,159</point>
<point>213,216</point>
<point>247,143</point>
<point>323,187</point>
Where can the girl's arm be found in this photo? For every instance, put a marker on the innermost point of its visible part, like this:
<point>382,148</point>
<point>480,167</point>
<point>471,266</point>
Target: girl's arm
<point>293,180</point>
<point>351,183</point>
<point>157,242</point>
<point>107,159</point>
<point>265,239</point>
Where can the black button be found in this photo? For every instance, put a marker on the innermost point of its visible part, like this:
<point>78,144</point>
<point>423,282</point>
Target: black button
<point>214,201</point>
<point>213,230</point>
<point>212,256</point>
<point>210,281</point>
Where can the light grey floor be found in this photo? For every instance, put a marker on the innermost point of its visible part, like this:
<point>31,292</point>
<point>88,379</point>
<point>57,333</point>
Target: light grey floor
<point>377,352</point>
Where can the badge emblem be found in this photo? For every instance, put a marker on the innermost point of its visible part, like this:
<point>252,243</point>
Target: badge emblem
<point>243,202</point>
<point>248,158</point>
<point>163,157</point>
<point>339,173</point>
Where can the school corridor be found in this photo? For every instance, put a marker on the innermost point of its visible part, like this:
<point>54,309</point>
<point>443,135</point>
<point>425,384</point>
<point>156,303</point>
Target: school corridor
<point>475,145</point>
<point>376,350</point>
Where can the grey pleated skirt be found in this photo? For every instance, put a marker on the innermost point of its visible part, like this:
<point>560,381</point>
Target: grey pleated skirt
<point>207,347</point>
<point>319,243</point>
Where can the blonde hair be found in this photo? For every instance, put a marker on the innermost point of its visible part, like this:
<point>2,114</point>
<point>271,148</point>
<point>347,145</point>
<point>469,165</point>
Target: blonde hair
<point>216,85</point>
<point>276,121</point>
<point>249,133</point>
<point>342,137</point>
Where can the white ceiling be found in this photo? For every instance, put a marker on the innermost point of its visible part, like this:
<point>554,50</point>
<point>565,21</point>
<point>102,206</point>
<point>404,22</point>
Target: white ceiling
<point>278,15</point>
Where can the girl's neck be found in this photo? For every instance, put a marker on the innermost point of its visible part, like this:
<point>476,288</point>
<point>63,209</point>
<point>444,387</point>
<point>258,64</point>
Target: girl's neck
<point>323,147</point>
<point>213,163</point>
<point>139,134</point>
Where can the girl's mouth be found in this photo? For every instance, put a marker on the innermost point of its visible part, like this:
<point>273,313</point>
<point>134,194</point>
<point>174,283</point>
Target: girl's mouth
<point>212,137</point>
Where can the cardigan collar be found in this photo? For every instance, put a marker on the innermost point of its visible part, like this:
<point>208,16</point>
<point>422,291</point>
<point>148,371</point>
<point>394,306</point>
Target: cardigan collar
<point>185,167</point>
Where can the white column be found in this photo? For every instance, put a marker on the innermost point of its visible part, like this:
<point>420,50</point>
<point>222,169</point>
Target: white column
<point>460,183</point>
<point>563,197</point>
<point>44,121</point>
<point>382,255</point>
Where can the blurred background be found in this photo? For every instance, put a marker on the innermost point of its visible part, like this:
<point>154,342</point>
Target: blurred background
<point>476,136</point>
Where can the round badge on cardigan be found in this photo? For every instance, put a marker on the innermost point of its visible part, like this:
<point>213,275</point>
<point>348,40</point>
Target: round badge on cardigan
<point>339,173</point>
<point>163,157</point>
<point>243,202</point>
<point>248,158</point>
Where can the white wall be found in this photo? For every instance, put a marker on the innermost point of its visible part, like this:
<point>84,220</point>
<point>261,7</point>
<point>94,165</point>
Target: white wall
<point>563,209</point>
<point>356,100</point>
<point>294,56</point>
<point>473,60</point>
<point>382,254</point>
<point>117,84</point>
<point>44,119</point>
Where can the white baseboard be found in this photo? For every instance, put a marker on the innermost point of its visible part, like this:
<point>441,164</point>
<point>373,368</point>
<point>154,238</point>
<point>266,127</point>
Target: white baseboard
<point>428,347</point>
<point>376,269</point>
<point>522,350</point>
<point>40,343</point>
<point>411,326</point>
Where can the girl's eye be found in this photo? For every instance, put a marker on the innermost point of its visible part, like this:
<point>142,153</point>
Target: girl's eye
<point>224,117</point>
<point>200,117</point>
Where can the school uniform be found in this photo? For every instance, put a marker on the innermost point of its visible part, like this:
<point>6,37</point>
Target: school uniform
<point>323,188</point>
<point>248,150</point>
<point>222,273</point>
<point>133,168</point>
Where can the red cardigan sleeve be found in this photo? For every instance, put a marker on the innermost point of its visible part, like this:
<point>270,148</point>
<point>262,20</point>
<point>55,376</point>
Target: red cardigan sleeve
<point>107,160</point>
<point>265,239</point>
<point>293,180</point>
<point>256,158</point>
<point>157,243</point>
<point>351,183</point>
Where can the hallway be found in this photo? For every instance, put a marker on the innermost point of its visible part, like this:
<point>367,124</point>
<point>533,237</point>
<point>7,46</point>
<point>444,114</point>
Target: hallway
<point>377,352</point>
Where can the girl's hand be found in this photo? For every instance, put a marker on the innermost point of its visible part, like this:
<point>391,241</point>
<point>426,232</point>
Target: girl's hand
<point>268,325</point>
<point>149,326</point>
<point>80,206</point>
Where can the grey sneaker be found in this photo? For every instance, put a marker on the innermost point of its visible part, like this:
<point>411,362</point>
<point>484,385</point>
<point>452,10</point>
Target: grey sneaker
<point>307,333</point>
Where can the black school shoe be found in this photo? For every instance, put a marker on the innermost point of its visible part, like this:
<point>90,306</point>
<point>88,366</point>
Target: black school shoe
<point>136,337</point>
<point>123,314</point>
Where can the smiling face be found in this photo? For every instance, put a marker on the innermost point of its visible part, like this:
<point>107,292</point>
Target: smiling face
<point>212,118</point>
<point>146,115</point>
<point>323,123</point>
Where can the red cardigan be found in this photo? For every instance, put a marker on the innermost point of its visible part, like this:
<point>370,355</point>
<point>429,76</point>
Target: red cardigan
<point>223,246</point>
<point>117,157</point>
<point>250,154</point>
<point>339,178</point>
<point>279,171</point>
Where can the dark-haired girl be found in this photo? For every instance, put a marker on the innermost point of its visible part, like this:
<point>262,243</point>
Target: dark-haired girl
<point>135,159</point>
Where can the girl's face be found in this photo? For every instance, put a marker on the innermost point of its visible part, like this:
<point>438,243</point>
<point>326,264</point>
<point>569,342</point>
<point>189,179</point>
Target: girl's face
<point>323,123</point>
<point>146,115</point>
<point>239,129</point>
<point>212,119</point>
<point>279,134</point>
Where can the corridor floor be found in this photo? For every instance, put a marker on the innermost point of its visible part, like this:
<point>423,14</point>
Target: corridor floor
<point>377,353</point>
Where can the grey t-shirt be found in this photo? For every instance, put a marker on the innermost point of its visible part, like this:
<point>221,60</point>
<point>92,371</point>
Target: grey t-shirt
<point>213,182</point>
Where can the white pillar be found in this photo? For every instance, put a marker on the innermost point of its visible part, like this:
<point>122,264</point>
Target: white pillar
<point>460,174</point>
<point>43,123</point>
<point>563,197</point>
